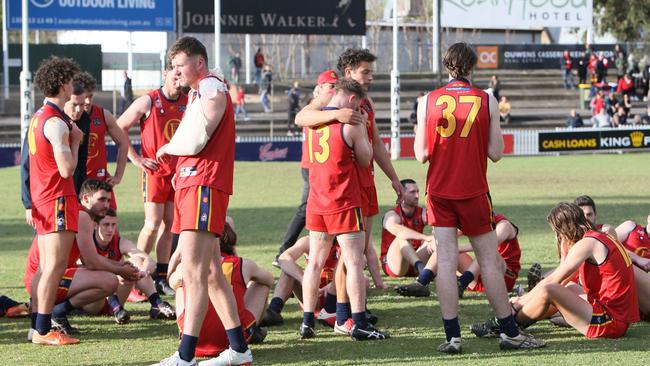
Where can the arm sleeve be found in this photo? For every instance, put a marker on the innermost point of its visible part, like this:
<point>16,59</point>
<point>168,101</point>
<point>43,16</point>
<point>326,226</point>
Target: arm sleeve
<point>209,87</point>
<point>24,176</point>
<point>56,131</point>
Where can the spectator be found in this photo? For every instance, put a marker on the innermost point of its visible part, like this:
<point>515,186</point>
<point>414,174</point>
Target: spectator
<point>235,67</point>
<point>566,64</point>
<point>258,61</point>
<point>644,70</point>
<point>637,121</point>
<point>574,120</point>
<point>126,93</point>
<point>240,106</point>
<point>293,97</point>
<point>597,103</point>
<point>627,104</point>
<point>602,119</point>
<point>504,110</point>
<point>621,65</point>
<point>618,49</point>
<point>602,64</point>
<point>266,88</point>
<point>593,61</point>
<point>495,85</point>
<point>414,112</point>
<point>583,64</point>
<point>625,85</point>
<point>645,119</point>
<point>632,65</point>
<point>619,118</point>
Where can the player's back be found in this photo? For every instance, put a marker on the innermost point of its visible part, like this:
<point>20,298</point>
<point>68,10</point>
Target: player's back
<point>333,176</point>
<point>458,126</point>
<point>97,163</point>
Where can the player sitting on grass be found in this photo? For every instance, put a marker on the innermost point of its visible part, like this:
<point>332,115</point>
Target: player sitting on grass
<point>110,245</point>
<point>606,272</point>
<point>251,299</point>
<point>290,282</point>
<point>470,278</point>
<point>635,237</point>
<point>12,308</point>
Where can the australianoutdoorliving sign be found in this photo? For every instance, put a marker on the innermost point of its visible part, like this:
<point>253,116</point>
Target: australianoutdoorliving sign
<point>604,139</point>
<point>277,16</point>
<point>516,14</point>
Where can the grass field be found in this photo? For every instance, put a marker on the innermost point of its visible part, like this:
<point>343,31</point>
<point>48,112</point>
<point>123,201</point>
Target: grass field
<point>265,197</point>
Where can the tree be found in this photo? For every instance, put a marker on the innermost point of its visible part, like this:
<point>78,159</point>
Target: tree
<point>628,21</point>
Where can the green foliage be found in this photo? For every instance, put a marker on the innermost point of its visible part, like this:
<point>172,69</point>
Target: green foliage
<point>627,20</point>
<point>266,196</point>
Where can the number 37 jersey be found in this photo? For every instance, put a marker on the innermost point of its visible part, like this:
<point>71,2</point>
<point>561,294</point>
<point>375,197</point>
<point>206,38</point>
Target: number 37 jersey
<point>458,127</point>
<point>333,173</point>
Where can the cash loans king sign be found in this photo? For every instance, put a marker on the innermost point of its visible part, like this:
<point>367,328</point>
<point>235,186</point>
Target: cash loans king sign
<point>516,14</point>
<point>125,15</point>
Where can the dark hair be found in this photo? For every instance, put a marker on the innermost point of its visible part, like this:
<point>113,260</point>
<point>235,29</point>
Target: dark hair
<point>189,46</point>
<point>350,86</point>
<point>86,80</point>
<point>77,87</point>
<point>109,212</point>
<point>406,181</point>
<point>91,186</point>
<point>568,221</point>
<point>53,73</point>
<point>585,200</point>
<point>353,57</point>
<point>459,60</point>
<point>228,240</point>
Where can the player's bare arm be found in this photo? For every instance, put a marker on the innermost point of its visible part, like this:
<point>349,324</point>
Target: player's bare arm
<point>138,110</point>
<point>136,255</point>
<point>357,137</point>
<point>252,272</point>
<point>505,231</point>
<point>312,115</point>
<point>624,230</point>
<point>288,258</point>
<point>421,145</point>
<point>122,142</point>
<point>383,160</point>
<point>393,224</point>
<point>495,140</point>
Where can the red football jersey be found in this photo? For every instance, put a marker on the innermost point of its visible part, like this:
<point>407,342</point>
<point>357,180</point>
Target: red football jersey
<point>159,127</point>
<point>458,126</point>
<point>638,242</point>
<point>45,183</point>
<point>214,165</point>
<point>509,249</point>
<point>96,165</point>
<point>412,222</point>
<point>33,259</point>
<point>110,251</point>
<point>333,177</point>
<point>611,283</point>
<point>367,175</point>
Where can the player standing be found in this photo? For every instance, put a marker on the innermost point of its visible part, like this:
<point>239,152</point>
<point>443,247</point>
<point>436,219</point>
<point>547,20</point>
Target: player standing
<point>458,130</point>
<point>205,146</point>
<point>159,114</point>
<point>53,143</point>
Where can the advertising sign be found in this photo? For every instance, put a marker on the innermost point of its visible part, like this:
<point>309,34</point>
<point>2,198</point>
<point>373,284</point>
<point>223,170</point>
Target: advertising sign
<point>609,139</point>
<point>516,14</point>
<point>277,16</point>
<point>124,15</point>
<point>533,56</point>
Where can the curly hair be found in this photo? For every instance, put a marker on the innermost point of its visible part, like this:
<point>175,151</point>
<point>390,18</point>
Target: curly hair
<point>53,73</point>
<point>353,57</point>
<point>569,224</point>
<point>86,81</point>
<point>459,60</point>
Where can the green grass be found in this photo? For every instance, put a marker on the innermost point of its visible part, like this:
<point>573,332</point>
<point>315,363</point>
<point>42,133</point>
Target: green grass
<point>266,195</point>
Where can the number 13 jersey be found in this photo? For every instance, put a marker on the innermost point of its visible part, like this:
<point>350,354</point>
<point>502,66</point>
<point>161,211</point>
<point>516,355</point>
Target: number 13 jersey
<point>333,174</point>
<point>458,127</point>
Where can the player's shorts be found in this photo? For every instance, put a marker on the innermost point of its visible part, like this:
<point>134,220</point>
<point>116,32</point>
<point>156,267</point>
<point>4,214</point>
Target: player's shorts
<point>59,214</point>
<point>63,288</point>
<point>200,208</point>
<point>369,198</point>
<point>510,279</point>
<point>603,326</point>
<point>347,221</point>
<point>156,189</point>
<point>411,272</point>
<point>473,216</point>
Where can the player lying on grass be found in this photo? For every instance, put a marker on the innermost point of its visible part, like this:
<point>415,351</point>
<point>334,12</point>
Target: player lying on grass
<point>81,287</point>
<point>250,284</point>
<point>110,245</point>
<point>509,265</point>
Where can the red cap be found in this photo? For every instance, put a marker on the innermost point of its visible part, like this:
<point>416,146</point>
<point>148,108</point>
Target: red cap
<point>327,77</point>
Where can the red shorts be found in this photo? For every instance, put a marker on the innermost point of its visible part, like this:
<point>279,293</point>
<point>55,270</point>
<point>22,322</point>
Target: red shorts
<point>411,272</point>
<point>64,285</point>
<point>509,278</point>
<point>603,326</point>
<point>347,221</point>
<point>59,214</point>
<point>370,204</point>
<point>200,208</point>
<point>156,189</point>
<point>473,216</point>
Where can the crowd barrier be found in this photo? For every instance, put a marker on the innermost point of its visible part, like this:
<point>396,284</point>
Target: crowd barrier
<point>517,142</point>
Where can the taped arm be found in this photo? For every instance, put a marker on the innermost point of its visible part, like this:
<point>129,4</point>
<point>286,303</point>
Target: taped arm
<point>58,134</point>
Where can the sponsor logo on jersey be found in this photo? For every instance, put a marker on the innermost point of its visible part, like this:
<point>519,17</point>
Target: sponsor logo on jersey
<point>101,173</point>
<point>97,121</point>
<point>188,171</point>
<point>181,108</point>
